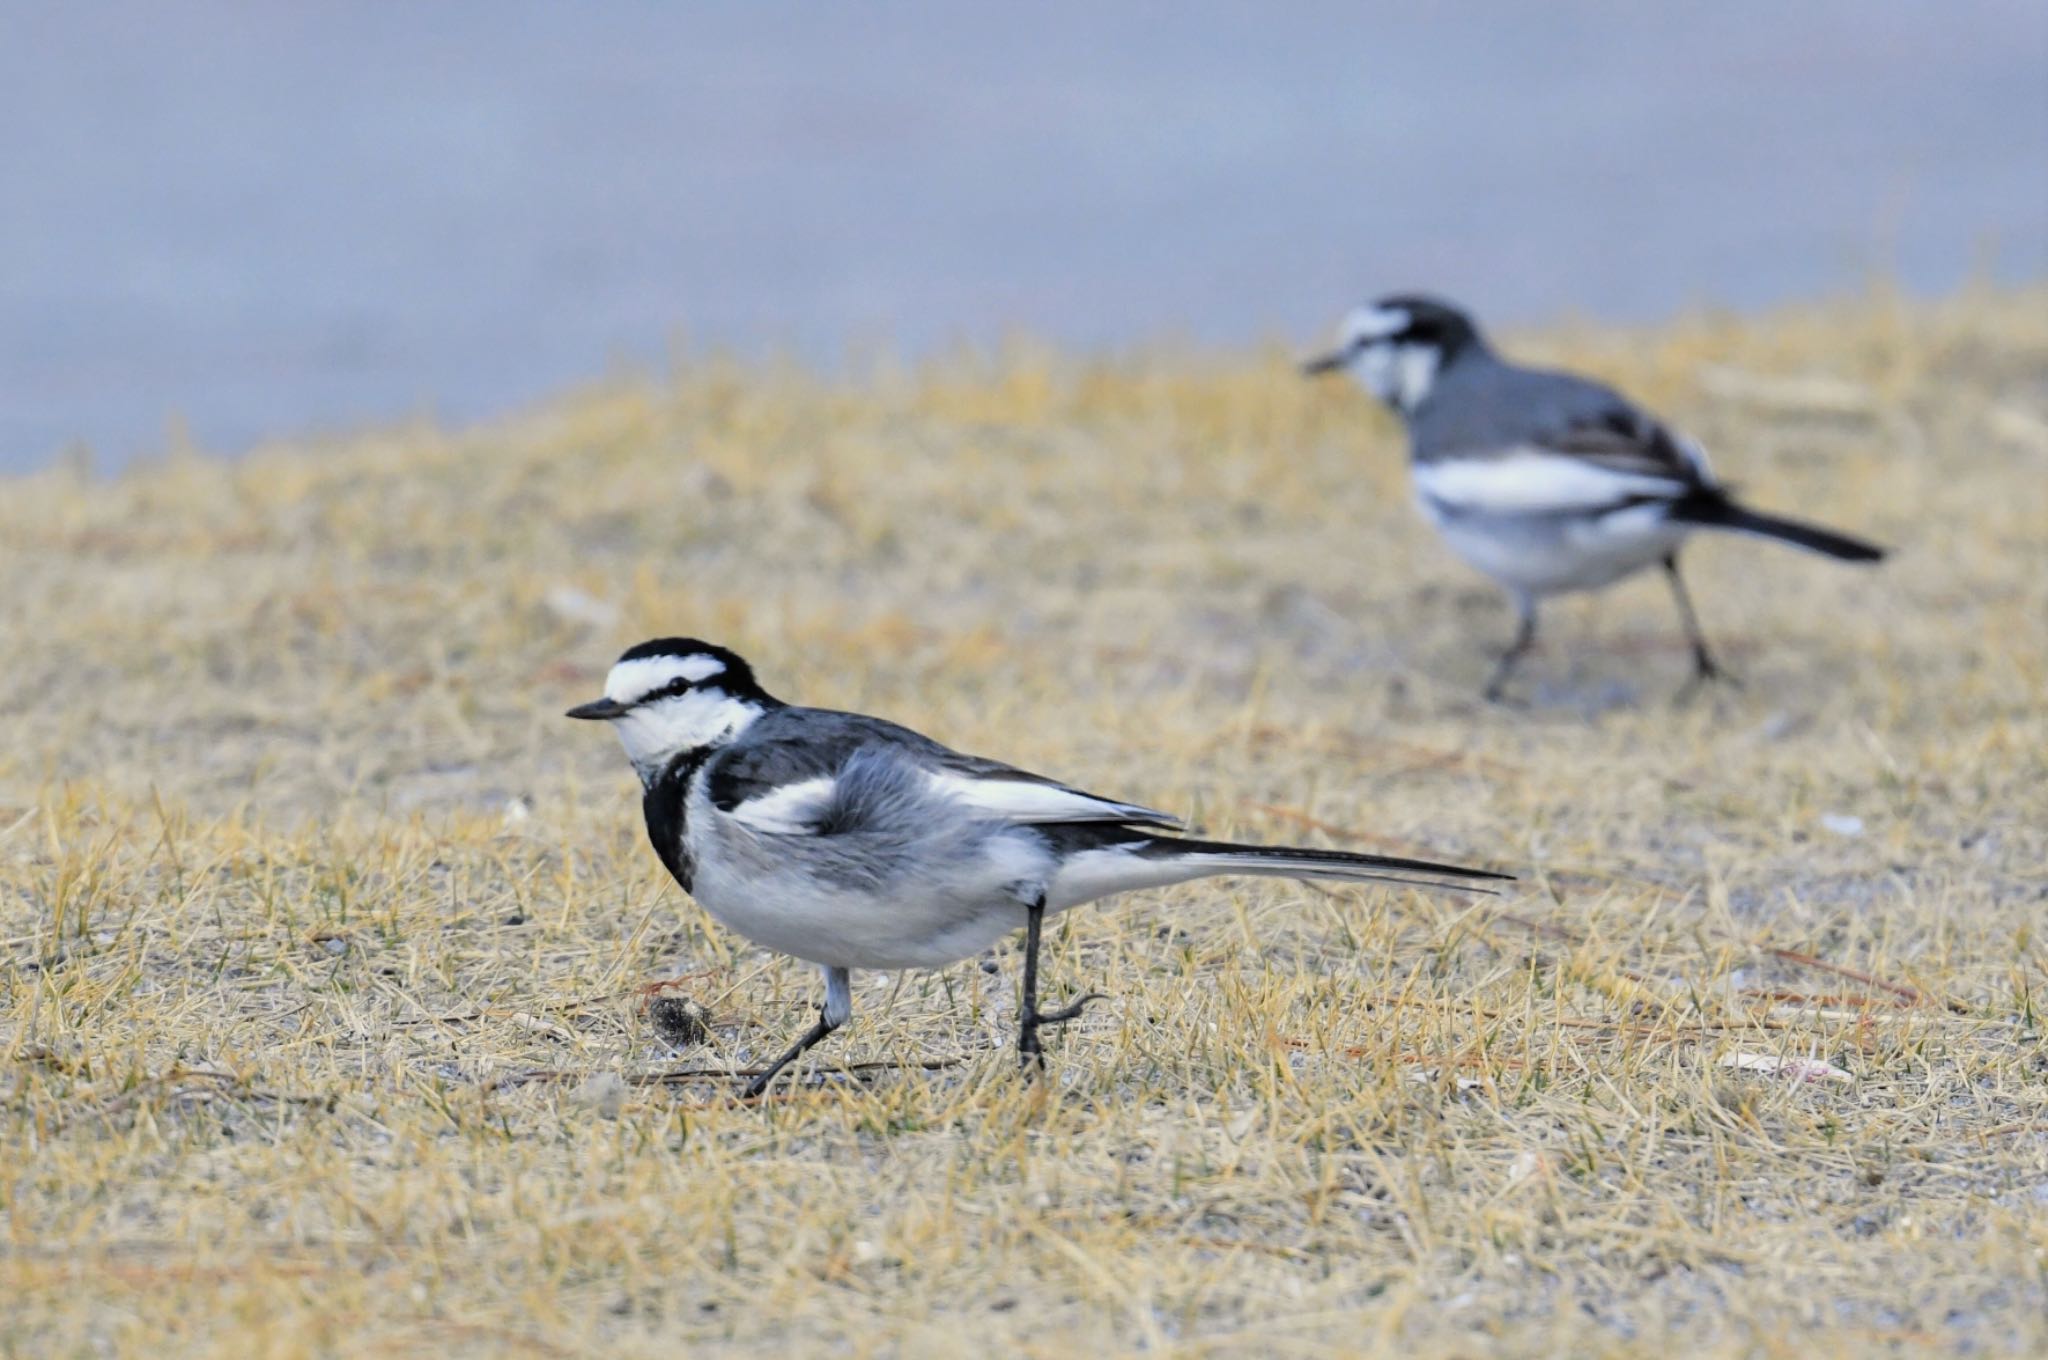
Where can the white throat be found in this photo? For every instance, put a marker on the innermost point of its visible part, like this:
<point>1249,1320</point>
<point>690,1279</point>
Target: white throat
<point>657,732</point>
<point>1399,375</point>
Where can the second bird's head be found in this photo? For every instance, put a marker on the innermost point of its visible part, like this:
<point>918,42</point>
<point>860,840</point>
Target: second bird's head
<point>675,695</point>
<point>1397,346</point>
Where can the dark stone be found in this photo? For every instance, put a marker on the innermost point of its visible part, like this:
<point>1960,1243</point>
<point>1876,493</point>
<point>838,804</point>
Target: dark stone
<point>682,1023</point>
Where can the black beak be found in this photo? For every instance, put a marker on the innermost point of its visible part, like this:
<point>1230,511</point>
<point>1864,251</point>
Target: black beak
<point>1324,363</point>
<point>597,710</point>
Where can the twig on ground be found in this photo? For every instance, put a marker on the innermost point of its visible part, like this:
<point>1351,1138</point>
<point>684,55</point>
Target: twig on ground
<point>1911,995</point>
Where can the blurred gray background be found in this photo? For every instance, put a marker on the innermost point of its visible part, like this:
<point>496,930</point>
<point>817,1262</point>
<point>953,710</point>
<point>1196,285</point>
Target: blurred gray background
<point>244,220</point>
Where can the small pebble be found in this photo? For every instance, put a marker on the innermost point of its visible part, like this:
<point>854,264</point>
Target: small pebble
<point>1781,725</point>
<point>1842,824</point>
<point>603,1092</point>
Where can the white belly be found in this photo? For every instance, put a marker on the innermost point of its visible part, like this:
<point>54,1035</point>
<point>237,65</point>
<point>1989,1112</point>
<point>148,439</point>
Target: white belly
<point>790,894</point>
<point>1545,554</point>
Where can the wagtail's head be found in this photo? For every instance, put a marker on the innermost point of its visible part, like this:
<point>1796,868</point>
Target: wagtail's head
<point>674,695</point>
<point>1396,347</point>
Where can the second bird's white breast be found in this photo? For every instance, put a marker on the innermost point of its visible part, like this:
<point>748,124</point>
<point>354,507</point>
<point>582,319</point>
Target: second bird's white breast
<point>1541,524</point>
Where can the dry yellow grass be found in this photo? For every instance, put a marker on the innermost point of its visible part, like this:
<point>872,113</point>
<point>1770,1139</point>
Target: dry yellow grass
<point>322,934</point>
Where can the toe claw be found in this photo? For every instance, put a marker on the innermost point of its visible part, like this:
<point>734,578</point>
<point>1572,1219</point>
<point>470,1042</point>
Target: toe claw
<point>1707,671</point>
<point>1071,1011</point>
<point>1030,1049</point>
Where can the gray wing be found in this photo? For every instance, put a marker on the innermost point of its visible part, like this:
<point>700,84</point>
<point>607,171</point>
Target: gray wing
<point>1604,428</point>
<point>1526,441</point>
<point>784,775</point>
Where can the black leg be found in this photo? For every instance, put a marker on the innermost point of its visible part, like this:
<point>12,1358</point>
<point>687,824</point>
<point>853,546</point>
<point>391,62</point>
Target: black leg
<point>838,1008</point>
<point>1525,638</point>
<point>1030,1051</point>
<point>796,1050</point>
<point>1704,667</point>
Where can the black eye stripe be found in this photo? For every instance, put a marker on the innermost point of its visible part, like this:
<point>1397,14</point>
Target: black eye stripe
<point>679,685</point>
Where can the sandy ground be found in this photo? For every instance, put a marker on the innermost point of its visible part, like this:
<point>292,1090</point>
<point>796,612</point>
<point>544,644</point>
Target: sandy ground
<point>326,944</point>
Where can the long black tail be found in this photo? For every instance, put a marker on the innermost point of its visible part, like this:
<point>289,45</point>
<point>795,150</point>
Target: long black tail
<point>1717,512</point>
<point>1280,861</point>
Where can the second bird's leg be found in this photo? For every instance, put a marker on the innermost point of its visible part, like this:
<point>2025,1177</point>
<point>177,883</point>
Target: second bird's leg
<point>836,1011</point>
<point>1030,1019</point>
<point>1704,667</point>
<point>1525,638</point>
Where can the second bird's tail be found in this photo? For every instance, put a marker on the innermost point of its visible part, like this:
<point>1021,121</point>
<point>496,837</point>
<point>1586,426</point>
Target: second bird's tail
<point>1720,513</point>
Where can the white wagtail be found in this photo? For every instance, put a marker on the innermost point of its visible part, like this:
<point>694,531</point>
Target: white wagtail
<point>851,842</point>
<point>1547,482</point>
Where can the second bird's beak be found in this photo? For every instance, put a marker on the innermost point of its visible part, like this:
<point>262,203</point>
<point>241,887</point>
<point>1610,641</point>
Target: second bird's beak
<point>1323,363</point>
<point>597,710</point>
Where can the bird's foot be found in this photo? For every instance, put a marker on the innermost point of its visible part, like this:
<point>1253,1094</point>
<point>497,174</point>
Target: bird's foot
<point>1071,1011</point>
<point>1707,671</point>
<point>767,1075</point>
<point>1030,1051</point>
<point>1497,693</point>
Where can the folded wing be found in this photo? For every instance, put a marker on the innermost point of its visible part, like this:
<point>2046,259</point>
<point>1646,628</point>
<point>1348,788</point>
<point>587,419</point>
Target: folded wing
<point>785,777</point>
<point>1583,448</point>
<point>1023,797</point>
<point>1537,481</point>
